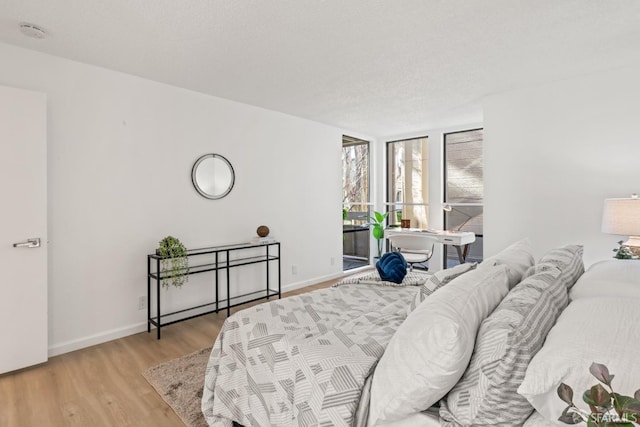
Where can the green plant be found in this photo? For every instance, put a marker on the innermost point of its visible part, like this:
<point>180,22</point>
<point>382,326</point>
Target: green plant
<point>377,221</point>
<point>608,408</point>
<point>345,214</point>
<point>623,252</point>
<point>174,265</point>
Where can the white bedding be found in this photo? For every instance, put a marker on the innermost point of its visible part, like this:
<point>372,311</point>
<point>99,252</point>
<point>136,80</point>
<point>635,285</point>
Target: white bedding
<point>537,420</point>
<point>301,360</point>
<point>289,403</point>
<point>428,418</point>
<point>595,327</point>
<point>570,350</point>
<point>609,278</point>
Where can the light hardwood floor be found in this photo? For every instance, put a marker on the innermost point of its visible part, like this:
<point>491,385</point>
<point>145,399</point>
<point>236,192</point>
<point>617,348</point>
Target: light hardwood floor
<point>103,385</point>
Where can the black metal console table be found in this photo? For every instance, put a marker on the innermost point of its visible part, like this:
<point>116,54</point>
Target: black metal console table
<point>219,258</point>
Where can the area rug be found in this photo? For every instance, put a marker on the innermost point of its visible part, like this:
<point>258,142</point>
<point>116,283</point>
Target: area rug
<point>179,382</point>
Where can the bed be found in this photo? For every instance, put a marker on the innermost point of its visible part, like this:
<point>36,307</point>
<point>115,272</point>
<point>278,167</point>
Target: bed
<point>595,327</point>
<point>305,357</point>
<point>450,349</point>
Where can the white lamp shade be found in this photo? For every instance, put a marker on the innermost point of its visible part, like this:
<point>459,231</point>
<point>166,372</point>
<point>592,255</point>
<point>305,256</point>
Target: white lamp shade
<point>621,216</point>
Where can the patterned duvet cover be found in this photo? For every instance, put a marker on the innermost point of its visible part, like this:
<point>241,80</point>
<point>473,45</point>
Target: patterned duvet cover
<point>302,360</point>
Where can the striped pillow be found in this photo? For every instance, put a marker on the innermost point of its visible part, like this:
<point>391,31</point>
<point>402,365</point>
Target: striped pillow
<point>438,280</point>
<point>567,258</point>
<point>431,349</point>
<point>506,342</point>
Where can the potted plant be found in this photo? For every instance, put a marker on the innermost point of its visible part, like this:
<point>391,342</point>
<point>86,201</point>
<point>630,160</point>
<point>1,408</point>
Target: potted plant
<point>174,266</point>
<point>377,221</point>
<point>623,252</point>
<point>606,407</point>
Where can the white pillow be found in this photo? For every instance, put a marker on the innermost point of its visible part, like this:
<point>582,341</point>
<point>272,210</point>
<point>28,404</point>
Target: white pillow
<point>610,278</point>
<point>602,330</point>
<point>438,280</point>
<point>537,420</point>
<point>518,257</point>
<point>431,349</point>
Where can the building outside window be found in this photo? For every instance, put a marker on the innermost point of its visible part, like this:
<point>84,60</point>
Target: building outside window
<point>408,181</point>
<point>464,189</point>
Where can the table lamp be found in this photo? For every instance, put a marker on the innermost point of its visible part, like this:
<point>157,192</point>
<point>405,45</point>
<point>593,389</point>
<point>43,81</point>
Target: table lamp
<point>448,208</point>
<point>622,216</point>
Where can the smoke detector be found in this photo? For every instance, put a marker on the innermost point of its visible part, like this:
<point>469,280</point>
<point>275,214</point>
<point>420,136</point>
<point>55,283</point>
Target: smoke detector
<point>31,30</point>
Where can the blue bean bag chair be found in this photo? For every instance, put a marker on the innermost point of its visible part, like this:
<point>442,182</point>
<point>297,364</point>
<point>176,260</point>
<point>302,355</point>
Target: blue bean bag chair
<point>392,267</point>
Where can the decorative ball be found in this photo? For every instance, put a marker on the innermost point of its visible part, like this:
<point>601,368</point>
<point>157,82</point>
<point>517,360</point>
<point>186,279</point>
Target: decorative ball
<point>263,231</point>
<point>392,267</point>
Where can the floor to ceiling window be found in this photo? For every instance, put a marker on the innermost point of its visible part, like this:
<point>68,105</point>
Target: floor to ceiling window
<point>464,189</point>
<point>356,202</point>
<point>457,189</point>
<point>408,183</point>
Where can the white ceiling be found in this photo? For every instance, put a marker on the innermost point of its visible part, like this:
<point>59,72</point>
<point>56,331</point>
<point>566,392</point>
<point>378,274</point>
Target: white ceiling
<point>378,67</point>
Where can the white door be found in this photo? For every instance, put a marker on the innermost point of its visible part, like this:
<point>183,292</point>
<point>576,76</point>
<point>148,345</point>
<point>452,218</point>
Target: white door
<point>23,216</point>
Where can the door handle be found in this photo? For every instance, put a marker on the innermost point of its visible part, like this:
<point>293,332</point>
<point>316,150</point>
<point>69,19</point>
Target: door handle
<point>30,243</point>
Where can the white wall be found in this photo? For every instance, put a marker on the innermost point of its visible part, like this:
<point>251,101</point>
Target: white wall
<point>120,155</point>
<point>553,153</point>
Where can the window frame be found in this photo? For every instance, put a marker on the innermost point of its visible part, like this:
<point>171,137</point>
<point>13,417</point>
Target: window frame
<point>357,141</point>
<point>368,204</point>
<point>445,181</point>
<point>389,203</point>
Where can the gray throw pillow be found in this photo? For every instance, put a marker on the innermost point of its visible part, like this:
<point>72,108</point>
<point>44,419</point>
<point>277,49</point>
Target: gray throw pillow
<point>507,340</point>
<point>566,258</point>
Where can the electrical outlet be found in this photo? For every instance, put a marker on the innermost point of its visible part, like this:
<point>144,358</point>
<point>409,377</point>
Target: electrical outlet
<point>294,269</point>
<point>142,303</point>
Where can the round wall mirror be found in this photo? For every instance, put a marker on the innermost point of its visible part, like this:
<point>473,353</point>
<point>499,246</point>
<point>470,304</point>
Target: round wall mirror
<point>212,176</point>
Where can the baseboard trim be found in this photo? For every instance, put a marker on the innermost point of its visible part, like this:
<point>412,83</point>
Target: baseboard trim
<point>113,334</point>
<point>100,338</point>
<point>314,281</point>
